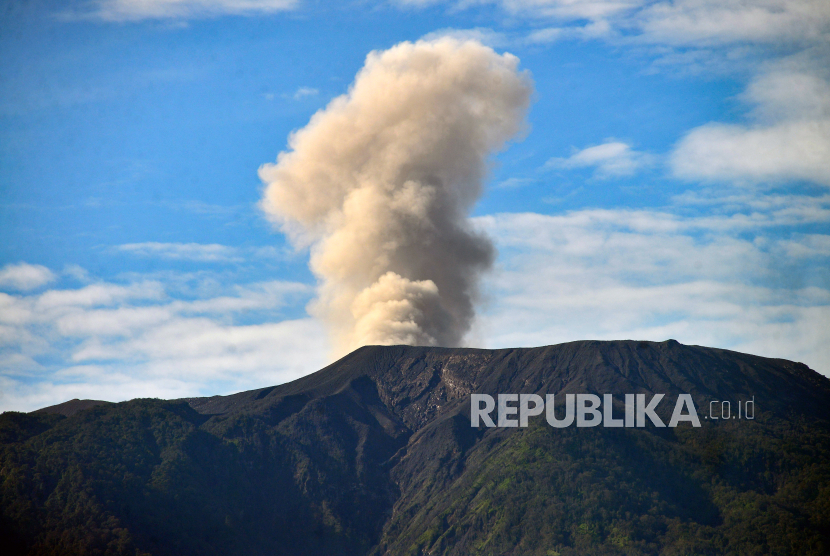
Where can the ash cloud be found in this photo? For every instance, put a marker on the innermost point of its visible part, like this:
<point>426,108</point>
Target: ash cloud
<point>380,183</point>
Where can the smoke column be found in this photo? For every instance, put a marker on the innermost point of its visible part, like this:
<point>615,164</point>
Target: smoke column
<point>380,183</point>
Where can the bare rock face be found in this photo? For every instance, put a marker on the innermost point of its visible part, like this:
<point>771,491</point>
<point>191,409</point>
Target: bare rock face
<point>375,455</point>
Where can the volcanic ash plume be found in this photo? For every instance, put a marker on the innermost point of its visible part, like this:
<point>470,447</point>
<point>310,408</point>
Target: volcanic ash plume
<point>380,182</point>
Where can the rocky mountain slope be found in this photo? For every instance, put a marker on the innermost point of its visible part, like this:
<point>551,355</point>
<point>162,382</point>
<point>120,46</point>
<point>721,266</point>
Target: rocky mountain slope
<point>375,455</point>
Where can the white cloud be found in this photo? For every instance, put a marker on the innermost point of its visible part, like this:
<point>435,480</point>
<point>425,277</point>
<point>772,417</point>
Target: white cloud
<point>115,342</point>
<point>593,30</point>
<point>759,209</point>
<point>610,159</point>
<point>720,22</point>
<point>514,183</point>
<point>789,90</point>
<point>546,35</point>
<point>700,23</point>
<point>136,10</point>
<point>200,350</point>
<point>571,9</point>
<point>206,209</point>
<point>614,274</point>
<point>787,151</point>
<point>77,272</point>
<point>24,276</point>
<point>106,385</point>
<point>789,139</point>
<point>417,3</point>
<point>182,251</point>
<point>305,92</point>
<point>127,320</point>
<point>810,245</point>
<point>483,35</point>
<point>97,295</point>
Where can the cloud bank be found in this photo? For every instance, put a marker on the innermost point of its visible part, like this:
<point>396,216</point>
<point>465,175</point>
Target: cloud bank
<point>152,338</point>
<point>380,183</point>
<point>714,280</point>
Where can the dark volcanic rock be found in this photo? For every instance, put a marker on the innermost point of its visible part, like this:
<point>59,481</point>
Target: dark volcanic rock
<point>375,455</point>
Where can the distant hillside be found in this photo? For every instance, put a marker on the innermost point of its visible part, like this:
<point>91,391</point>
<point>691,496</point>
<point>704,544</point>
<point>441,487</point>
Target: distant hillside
<point>70,408</point>
<point>374,455</point>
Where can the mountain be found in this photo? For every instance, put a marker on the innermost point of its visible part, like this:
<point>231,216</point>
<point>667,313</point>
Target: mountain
<point>70,408</point>
<point>375,455</point>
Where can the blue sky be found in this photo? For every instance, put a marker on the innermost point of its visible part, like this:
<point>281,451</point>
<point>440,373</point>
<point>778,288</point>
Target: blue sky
<point>672,182</point>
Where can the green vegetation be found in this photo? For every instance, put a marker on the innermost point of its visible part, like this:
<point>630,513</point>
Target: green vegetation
<point>741,488</point>
<point>143,477</point>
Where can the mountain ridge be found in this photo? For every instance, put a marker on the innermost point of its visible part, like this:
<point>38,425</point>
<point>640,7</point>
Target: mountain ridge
<point>373,361</point>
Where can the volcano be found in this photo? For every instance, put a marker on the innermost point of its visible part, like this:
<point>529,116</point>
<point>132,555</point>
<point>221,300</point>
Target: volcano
<point>375,455</point>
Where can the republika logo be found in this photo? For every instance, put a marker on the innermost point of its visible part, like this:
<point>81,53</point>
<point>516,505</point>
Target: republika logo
<point>589,410</point>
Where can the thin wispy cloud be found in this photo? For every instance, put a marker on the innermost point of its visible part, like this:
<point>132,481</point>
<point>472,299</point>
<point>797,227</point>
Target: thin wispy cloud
<point>570,10</point>
<point>593,30</point>
<point>701,23</point>
<point>182,251</point>
<point>514,183</point>
<point>483,35</point>
<point>610,159</point>
<point>202,208</point>
<point>303,92</point>
<point>77,272</point>
<point>64,92</point>
<point>56,301</point>
<point>137,10</point>
<point>201,252</point>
